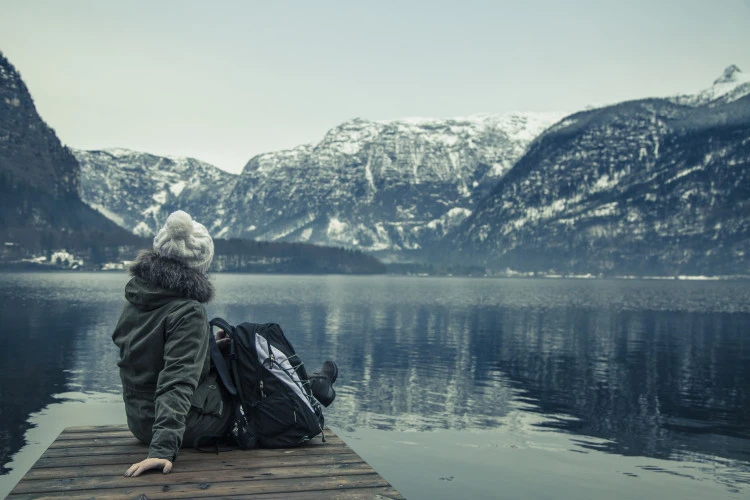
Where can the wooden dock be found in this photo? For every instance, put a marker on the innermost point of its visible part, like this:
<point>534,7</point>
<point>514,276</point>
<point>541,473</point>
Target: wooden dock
<point>89,462</point>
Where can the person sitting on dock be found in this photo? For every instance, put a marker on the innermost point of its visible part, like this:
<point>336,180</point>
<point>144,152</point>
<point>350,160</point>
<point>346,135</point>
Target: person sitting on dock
<point>172,397</point>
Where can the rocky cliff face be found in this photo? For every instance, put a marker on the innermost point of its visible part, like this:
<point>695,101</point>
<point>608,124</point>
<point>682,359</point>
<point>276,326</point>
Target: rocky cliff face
<point>138,190</point>
<point>384,187</point>
<point>40,208</point>
<point>30,152</point>
<point>652,186</point>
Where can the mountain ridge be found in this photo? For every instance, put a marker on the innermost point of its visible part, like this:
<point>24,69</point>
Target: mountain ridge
<point>139,190</point>
<point>370,185</point>
<point>730,86</point>
<point>649,186</point>
<point>408,189</point>
<point>45,225</point>
<point>378,186</point>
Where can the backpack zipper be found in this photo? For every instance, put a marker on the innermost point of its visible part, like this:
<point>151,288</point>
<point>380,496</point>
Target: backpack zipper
<point>270,352</point>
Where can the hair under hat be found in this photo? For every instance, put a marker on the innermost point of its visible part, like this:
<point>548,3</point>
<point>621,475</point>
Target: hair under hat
<point>185,240</point>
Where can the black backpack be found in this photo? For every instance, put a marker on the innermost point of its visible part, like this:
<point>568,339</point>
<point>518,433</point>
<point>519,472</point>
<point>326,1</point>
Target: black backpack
<point>276,407</point>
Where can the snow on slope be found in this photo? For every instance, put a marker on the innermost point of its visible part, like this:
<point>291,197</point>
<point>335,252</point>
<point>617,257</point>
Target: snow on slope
<point>138,190</point>
<point>382,186</point>
<point>733,84</point>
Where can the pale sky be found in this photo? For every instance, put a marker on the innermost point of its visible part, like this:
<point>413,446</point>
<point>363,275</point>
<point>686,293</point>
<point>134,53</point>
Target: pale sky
<point>222,81</point>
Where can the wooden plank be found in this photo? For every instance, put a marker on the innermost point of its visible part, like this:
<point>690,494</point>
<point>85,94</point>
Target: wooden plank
<point>132,445</point>
<point>379,493</point>
<point>70,484</point>
<point>94,435</point>
<point>95,428</point>
<point>374,493</point>
<point>246,464</point>
<point>123,432</point>
<point>165,489</point>
<point>130,440</point>
<point>140,449</point>
<point>89,462</point>
<point>98,429</point>
<point>382,493</point>
<point>185,456</point>
<point>88,442</point>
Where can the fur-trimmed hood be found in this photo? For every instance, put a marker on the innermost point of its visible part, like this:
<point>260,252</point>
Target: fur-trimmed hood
<point>173,276</point>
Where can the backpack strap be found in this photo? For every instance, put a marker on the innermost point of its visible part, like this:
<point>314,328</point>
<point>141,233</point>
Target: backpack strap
<point>222,323</point>
<point>216,357</point>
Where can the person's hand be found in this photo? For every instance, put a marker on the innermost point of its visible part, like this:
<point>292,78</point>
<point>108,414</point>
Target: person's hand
<point>223,341</point>
<point>135,470</point>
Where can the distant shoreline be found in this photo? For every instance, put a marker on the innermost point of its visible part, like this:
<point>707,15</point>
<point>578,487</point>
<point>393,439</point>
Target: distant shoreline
<point>30,267</point>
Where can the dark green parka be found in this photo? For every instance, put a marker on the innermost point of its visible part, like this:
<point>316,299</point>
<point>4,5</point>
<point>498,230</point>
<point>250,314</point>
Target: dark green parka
<point>163,339</point>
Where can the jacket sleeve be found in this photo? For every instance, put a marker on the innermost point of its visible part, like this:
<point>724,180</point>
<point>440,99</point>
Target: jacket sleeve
<point>185,351</point>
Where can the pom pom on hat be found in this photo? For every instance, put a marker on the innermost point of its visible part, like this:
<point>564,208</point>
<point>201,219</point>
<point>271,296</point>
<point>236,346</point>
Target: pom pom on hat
<point>185,240</point>
<point>179,225</point>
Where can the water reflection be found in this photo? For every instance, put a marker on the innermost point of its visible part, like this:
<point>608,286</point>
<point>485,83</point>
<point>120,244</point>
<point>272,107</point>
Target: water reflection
<point>657,370</point>
<point>51,334</point>
<point>651,383</point>
<point>643,366</point>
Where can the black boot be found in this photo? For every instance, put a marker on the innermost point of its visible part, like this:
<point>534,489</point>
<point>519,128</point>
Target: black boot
<point>321,383</point>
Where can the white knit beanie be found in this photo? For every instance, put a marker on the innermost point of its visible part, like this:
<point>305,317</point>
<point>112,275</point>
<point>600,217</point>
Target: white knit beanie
<point>185,240</point>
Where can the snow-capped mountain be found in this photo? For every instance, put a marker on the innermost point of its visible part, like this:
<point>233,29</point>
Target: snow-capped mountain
<point>138,191</point>
<point>733,84</point>
<point>379,186</point>
<point>374,186</point>
<point>654,185</point>
<point>648,186</point>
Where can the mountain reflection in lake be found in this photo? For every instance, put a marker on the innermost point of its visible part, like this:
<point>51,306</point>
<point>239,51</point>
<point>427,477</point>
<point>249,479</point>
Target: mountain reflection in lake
<point>631,368</point>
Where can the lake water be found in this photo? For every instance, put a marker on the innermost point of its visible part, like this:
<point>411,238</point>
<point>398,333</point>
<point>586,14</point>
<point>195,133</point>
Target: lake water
<point>449,387</point>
